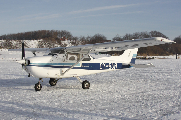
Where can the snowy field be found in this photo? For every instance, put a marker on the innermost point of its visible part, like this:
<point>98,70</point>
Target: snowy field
<point>128,94</point>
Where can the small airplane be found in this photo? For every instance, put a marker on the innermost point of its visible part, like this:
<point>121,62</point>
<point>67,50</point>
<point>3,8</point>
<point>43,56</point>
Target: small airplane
<point>76,61</point>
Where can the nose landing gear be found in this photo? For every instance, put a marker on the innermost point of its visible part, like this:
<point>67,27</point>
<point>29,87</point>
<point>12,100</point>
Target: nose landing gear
<point>52,82</point>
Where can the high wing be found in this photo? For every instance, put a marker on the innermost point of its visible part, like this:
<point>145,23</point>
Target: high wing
<point>113,46</point>
<point>104,47</point>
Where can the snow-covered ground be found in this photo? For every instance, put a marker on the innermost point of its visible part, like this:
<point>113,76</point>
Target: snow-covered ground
<point>128,94</point>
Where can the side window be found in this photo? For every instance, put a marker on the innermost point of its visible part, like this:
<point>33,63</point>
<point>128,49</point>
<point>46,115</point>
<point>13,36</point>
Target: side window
<point>73,56</point>
<point>87,58</point>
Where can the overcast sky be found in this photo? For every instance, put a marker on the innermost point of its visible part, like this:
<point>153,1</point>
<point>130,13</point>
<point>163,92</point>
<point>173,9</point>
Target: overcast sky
<point>89,17</point>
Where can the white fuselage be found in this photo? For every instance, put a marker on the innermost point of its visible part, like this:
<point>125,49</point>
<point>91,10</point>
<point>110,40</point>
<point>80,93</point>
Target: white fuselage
<point>58,66</point>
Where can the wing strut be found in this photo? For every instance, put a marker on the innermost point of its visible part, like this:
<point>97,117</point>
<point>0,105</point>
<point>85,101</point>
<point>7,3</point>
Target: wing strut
<point>75,63</point>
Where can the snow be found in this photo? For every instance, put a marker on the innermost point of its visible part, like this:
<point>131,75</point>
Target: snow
<point>128,94</point>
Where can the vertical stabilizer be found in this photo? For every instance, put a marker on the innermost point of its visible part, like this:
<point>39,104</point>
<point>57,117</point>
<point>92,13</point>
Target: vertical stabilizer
<point>129,55</point>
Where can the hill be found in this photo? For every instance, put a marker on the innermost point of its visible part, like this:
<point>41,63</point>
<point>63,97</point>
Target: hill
<point>55,38</point>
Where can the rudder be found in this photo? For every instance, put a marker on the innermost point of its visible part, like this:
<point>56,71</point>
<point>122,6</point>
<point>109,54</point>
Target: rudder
<point>129,55</point>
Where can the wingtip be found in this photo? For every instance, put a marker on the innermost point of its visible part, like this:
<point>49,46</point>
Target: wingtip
<point>163,39</point>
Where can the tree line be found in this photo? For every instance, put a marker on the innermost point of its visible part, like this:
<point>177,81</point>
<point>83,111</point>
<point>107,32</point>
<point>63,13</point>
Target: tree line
<point>51,37</point>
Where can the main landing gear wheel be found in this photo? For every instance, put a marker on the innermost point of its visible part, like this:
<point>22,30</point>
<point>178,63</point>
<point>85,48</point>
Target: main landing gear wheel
<point>52,82</point>
<point>85,84</point>
<point>38,86</point>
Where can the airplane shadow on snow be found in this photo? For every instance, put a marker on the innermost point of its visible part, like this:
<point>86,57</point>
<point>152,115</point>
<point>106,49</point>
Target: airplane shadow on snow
<point>34,111</point>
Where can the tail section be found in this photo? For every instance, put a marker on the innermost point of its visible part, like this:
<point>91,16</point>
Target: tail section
<point>129,55</point>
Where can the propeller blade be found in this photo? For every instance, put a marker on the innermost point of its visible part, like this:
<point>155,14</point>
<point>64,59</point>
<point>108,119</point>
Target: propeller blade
<point>23,51</point>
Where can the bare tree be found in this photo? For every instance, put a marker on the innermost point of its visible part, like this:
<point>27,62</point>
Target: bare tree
<point>178,39</point>
<point>117,38</point>
<point>157,34</point>
<point>97,38</point>
<point>64,34</point>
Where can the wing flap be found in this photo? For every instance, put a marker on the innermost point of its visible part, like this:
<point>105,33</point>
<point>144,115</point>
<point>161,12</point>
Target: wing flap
<point>130,44</point>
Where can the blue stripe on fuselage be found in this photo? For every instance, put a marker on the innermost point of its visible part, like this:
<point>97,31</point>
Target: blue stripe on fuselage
<point>86,66</point>
<point>49,64</point>
<point>102,66</point>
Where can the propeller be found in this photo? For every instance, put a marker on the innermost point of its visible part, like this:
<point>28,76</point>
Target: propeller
<point>22,61</point>
<point>23,51</point>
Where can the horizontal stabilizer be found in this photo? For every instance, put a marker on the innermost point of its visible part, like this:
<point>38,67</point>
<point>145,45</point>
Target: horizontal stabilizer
<point>142,65</point>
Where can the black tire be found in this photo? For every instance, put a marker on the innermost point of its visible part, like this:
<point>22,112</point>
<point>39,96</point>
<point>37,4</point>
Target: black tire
<point>52,82</point>
<point>85,84</point>
<point>38,87</point>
